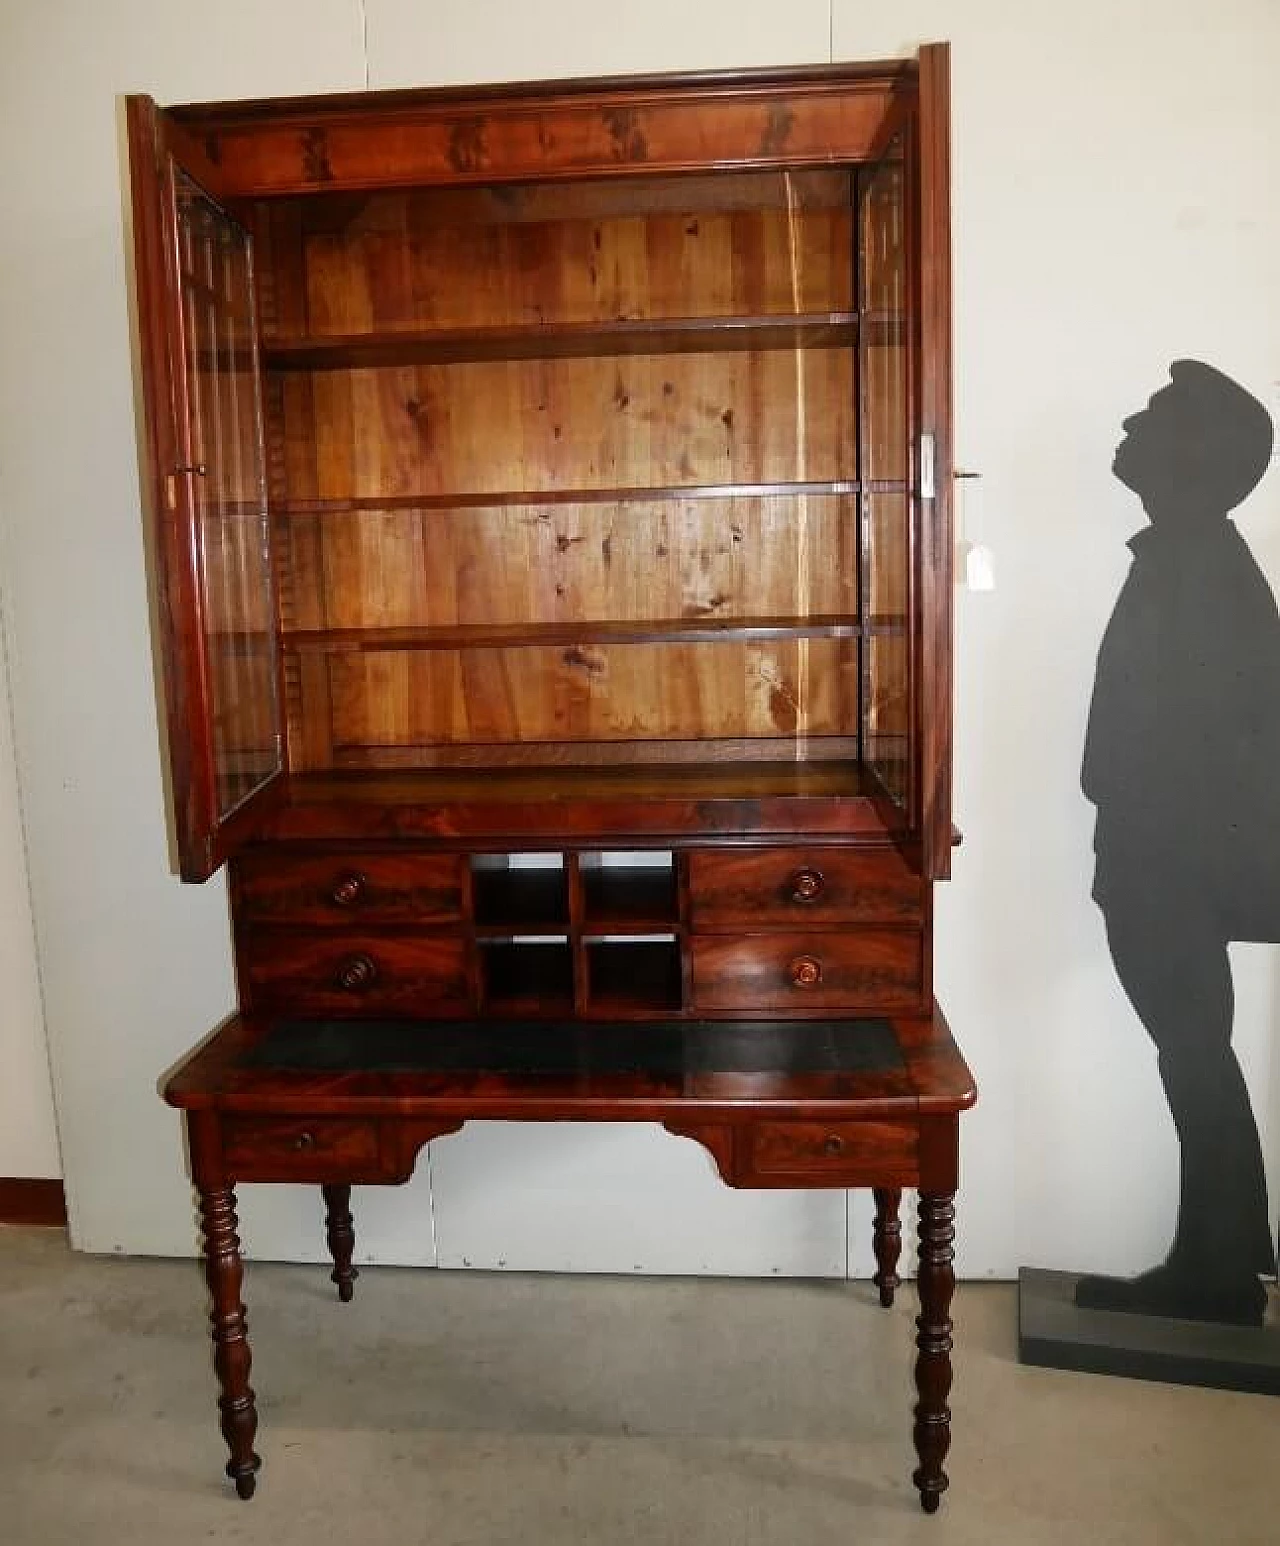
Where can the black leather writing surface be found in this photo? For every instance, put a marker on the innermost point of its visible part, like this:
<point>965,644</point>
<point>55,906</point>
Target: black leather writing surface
<point>663,1047</point>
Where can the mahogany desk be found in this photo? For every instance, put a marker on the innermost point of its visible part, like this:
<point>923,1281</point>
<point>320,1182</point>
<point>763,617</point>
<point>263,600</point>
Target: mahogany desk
<point>561,468</point>
<point>840,1103</point>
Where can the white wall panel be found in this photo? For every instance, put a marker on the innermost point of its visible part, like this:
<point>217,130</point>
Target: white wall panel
<point>28,1136</point>
<point>411,44</point>
<point>1117,204</point>
<point>578,1197</point>
<point>135,966</point>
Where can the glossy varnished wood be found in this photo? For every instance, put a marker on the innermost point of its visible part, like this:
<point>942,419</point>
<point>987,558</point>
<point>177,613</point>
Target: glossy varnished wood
<point>802,886</point>
<point>224,1273</point>
<point>584,128</point>
<point>568,802</point>
<point>357,971</point>
<point>558,335</point>
<point>300,1149</point>
<point>936,1283</point>
<point>198,492</point>
<point>580,340</point>
<point>856,971</point>
<point>932,1081</point>
<point>936,540</point>
<point>590,442</point>
<point>831,1153</point>
<point>341,1236</point>
<point>887,1241</point>
<point>609,259</point>
<point>341,887</point>
<point>763,1129</point>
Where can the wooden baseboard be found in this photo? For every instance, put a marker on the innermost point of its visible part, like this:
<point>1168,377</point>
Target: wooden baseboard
<point>27,1200</point>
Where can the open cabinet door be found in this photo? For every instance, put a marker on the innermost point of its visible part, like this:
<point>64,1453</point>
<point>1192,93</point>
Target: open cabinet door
<point>206,482</point>
<point>905,464</point>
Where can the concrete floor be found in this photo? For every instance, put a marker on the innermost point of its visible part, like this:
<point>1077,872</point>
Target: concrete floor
<point>491,1408</point>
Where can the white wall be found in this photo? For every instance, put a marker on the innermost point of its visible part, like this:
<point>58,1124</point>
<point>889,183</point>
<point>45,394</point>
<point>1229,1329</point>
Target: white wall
<point>28,1138</point>
<point>1115,207</point>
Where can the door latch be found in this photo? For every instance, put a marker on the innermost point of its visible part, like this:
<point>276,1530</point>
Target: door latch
<point>928,471</point>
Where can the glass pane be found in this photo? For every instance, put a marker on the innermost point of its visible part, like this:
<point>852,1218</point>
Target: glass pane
<point>884,581</point>
<point>885,469</point>
<point>883,305</point>
<point>887,710</point>
<point>229,491</point>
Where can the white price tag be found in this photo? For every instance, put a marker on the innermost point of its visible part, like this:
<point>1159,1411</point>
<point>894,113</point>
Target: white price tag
<point>980,568</point>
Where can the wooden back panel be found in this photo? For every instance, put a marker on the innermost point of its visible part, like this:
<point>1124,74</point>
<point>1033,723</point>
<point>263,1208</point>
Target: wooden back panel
<point>553,425</point>
<point>692,483</point>
<point>764,556</point>
<point>680,247</point>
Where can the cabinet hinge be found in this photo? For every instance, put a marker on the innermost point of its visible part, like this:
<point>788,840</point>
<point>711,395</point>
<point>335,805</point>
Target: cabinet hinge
<point>171,481</point>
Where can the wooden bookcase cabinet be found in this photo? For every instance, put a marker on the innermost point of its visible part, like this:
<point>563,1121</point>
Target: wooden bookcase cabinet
<point>561,470</point>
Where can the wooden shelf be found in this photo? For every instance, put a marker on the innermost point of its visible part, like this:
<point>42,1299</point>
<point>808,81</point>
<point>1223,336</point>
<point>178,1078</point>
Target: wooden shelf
<point>521,901</point>
<point>549,341</point>
<point>497,806</point>
<point>572,784</point>
<point>680,630</point>
<point>633,976</point>
<point>612,494</point>
<point>527,978</point>
<point>629,898</point>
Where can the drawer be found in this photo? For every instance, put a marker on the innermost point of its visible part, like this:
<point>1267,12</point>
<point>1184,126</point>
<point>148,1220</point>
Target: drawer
<point>300,1148</point>
<point>801,886</point>
<point>800,973</point>
<point>355,973</point>
<point>333,889</point>
<point>839,1153</point>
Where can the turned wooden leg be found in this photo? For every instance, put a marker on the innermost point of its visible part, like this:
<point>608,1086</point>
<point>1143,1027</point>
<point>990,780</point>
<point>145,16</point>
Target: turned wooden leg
<point>888,1241</point>
<point>224,1274</point>
<point>936,1283</point>
<point>342,1239</point>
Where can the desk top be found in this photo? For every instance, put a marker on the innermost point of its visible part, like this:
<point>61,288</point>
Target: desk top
<point>736,1070</point>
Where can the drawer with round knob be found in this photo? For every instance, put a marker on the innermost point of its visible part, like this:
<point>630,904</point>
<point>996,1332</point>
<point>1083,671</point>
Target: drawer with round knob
<point>764,887</point>
<point>834,1153</point>
<point>300,1148</point>
<point>355,973</point>
<point>333,888</point>
<point>802,973</point>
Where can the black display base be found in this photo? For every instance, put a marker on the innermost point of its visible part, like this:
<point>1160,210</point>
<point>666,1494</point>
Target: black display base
<point>1054,1333</point>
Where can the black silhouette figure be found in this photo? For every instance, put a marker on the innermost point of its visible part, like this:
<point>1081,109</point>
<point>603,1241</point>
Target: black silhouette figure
<point>1182,760</point>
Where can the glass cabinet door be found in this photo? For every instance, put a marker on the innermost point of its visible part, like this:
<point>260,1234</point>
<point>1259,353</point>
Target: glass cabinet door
<point>204,421</point>
<point>884,472</point>
<point>905,465</point>
<point>226,487</point>
<point>933,466</point>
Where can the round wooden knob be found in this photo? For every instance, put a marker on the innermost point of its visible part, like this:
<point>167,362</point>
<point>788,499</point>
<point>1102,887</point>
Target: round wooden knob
<point>304,1141</point>
<point>347,889</point>
<point>833,1145</point>
<point>357,973</point>
<point>806,972</point>
<point>807,885</point>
